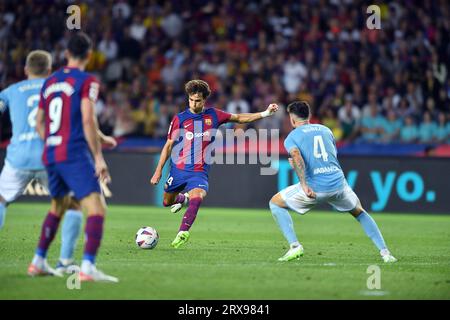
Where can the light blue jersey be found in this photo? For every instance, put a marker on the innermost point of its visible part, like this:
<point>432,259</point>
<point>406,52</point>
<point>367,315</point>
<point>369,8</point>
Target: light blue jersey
<point>318,149</point>
<point>25,149</point>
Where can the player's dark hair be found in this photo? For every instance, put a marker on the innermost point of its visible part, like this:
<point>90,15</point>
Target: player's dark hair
<point>39,62</point>
<point>300,108</point>
<point>79,45</point>
<point>197,86</point>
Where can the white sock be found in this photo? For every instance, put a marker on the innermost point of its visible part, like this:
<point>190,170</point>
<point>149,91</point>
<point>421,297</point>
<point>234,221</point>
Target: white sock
<point>86,266</point>
<point>384,252</point>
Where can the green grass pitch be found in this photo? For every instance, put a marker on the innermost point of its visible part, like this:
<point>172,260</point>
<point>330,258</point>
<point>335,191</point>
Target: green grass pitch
<point>232,254</point>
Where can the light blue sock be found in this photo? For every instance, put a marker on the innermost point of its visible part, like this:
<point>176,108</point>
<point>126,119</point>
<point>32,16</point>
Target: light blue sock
<point>2,214</point>
<point>284,221</point>
<point>370,227</point>
<point>70,231</point>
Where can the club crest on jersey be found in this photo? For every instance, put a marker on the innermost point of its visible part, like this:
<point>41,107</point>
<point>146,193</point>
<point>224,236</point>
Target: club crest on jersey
<point>208,122</point>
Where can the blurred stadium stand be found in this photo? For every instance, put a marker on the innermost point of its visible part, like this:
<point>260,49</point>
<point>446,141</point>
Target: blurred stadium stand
<point>384,92</point>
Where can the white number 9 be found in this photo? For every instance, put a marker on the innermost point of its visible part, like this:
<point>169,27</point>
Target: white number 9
<point>55,114</point>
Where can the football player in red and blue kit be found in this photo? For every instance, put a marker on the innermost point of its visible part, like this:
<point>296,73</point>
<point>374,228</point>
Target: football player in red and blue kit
<point>190,133</point>
<point>72,155</point>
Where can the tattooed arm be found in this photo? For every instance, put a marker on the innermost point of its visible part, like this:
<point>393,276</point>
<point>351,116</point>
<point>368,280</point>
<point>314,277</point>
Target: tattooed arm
<point>298,165</point>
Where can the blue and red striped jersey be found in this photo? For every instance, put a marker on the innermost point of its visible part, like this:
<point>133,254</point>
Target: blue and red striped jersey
<point>61,97</point>
<point>192,134</point>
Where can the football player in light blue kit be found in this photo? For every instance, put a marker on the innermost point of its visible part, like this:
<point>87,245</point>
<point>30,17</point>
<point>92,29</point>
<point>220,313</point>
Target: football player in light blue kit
<point>23,161</point>
<point>314,158</point>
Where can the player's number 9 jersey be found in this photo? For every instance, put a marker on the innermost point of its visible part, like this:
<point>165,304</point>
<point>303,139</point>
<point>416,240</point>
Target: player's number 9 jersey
<point>61,98</point>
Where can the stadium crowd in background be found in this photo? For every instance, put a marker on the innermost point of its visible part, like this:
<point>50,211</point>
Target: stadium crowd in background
<point>387,85</point>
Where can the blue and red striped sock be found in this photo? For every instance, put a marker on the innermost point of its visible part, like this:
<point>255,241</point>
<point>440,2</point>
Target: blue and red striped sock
<point>191,214</point>
<point>48,231</point>
<point>94,233</point>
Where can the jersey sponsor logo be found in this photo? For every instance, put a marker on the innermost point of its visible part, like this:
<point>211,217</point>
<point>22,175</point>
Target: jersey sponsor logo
<point>190,135</point>
<point>326,169</point>
<point>64,87</point>
<point>54,141</point>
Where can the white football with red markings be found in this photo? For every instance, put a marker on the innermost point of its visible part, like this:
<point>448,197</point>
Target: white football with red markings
<point>147,238</point>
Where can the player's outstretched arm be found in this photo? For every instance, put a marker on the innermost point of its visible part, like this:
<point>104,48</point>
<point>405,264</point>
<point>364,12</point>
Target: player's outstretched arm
<point>299,167</point>
<point>90,128</point>
<point>165,154</point>
<point>250,117</point>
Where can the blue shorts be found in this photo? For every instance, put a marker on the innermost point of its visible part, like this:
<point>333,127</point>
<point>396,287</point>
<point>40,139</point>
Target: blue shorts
<point>179,180</point>
<point>77,176</point>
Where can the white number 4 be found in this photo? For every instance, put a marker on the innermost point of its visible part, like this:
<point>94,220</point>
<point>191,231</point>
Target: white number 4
<point>319,148</point>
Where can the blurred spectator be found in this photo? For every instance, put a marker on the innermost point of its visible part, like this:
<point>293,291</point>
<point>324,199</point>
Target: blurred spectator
<point>138,29</point>
<point>124,124</point>
<point>238,104</point>
<point>108,46</point>
<point>349,116</point>
<point>294,73</point>
<point>391,127</point>
<point>442,133</point>
<point>171,23</point>
<point>372,125</point>
<point>332,122</point>
<point>371,104</point>
<point>409,132</point>
<point>172,75</point>
<point>427,129</point>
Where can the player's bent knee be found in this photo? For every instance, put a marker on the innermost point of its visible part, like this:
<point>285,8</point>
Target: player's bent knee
<point>277,200</point>
<point>93,204</point>
<point>197,193</point>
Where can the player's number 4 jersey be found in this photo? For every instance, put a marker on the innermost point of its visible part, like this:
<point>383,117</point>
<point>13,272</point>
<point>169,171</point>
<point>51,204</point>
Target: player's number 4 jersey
<point>318,149</point>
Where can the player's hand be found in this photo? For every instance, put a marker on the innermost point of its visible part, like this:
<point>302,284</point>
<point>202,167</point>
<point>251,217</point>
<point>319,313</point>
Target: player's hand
<point>101,170</point>
<point>156,177</point>
<point>309,192</point>
<point>109,141</point>
<point>272,108</point>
